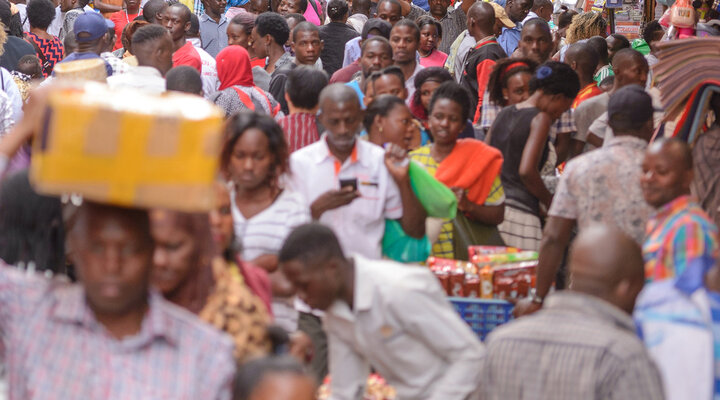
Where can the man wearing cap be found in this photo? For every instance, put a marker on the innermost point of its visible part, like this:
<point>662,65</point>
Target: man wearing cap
<point>517,10</point>
<point>213,26</point>
<point>91,31</point>
<point>601,186</point>
<point>482,24</point>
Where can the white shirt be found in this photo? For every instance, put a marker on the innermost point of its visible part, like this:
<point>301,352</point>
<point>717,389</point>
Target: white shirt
<point>265,232</point>
<point>22,9</point>
<point>56,24</point>
<point>209,69</point>
<point>13,93</point>
<point>147,79</point>
<point>410,83</point>
<point>531,15</point>
<point>404,327</point>
<point>359,225</point>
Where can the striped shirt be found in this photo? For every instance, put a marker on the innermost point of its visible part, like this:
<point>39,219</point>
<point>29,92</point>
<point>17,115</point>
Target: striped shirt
<point>300,130</point>
<point>678,237</point>
<point>576,347</point>
<point>265,232</point>
<point>55,348</point>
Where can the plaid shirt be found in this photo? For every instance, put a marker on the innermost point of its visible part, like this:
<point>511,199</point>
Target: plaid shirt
<point>576,347</point>
<point>54,348</point>
<point>118,66</point>
<point>490,111</point>
<point>680,236</point>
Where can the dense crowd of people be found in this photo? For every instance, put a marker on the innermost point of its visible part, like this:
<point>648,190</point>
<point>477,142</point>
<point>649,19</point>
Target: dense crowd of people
<point>361,137</point>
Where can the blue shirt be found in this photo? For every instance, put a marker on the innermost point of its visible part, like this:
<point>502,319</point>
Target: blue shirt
<point>509,39</point>
<point>213,35</point>
<point>88,55</point>
<point>356,87</point>
<point>422,4</point>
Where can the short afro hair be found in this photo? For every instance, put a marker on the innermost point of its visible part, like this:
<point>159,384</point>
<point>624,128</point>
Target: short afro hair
<point>40,13</point>
<point>273,24</point>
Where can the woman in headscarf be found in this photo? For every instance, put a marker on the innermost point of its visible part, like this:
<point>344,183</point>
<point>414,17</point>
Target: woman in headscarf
<point>237,89</point>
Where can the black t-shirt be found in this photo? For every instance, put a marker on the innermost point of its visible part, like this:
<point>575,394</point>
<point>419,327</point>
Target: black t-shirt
<point>14,49</point>
<point>510,132</point>
<point>335,35</point>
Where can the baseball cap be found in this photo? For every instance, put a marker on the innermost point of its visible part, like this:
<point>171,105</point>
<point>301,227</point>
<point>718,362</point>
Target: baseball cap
<point>630,103</point>
<point>89,26</point>
<point>502,15</point>
<point>381,26</point>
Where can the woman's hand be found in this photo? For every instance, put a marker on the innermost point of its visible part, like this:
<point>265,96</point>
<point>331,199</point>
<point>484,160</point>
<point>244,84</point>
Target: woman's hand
<point>397,163</point>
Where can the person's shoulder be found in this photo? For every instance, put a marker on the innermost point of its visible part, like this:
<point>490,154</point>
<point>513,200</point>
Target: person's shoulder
<point>307,153</point>
<point>420,151</point>
<point>190,330</point>
<point>367,149</point>
<point>393,277</point>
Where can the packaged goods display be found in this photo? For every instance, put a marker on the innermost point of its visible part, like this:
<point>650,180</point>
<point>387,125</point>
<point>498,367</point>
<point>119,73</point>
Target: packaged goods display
<point>494,273</point>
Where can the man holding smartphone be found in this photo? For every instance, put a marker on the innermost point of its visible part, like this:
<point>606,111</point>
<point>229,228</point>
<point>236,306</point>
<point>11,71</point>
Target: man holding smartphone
<point>352,186</point>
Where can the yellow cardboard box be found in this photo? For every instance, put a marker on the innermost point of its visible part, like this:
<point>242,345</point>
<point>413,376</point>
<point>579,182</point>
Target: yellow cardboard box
<point>129,148</point>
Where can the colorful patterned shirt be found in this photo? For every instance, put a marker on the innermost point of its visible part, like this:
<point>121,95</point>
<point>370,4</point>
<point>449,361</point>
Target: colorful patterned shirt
<point>588,92</point>
<point>52,50</point>
<point>679,236</point>
<point>54,348</point>
<point>443,248</point>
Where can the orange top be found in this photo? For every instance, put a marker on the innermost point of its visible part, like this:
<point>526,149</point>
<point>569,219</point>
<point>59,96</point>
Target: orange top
<point>587,92</point>
<point>473,166</point>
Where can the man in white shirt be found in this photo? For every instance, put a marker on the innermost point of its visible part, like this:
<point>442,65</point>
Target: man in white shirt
<point>380,189</point>
<point>388,315</point>
<point>153,47</point>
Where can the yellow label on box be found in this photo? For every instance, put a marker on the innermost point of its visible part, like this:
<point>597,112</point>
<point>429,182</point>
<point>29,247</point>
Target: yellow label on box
<point>128,148</point>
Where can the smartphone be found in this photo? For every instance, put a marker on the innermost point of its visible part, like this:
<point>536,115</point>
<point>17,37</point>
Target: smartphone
<point>349,182</point>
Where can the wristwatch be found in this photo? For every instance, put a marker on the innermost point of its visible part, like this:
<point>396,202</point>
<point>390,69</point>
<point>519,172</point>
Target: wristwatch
<point>537,299</point>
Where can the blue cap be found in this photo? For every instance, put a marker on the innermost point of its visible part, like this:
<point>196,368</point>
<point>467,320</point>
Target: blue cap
<point>91,25</point>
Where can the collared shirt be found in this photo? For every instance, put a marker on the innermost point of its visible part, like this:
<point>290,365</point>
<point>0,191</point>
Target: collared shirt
<point>402,325</point>
<point>604,186</point>
<point>490,111</point>
<point>453,23</point>
<point>576,347</point>
<point>147,79</point>
<point>679,236</point>
<point>213,34</point>
<point>531,15</point>
<point>410,83</point>
<point>55,348</point>
<point>284,60</point>
<point>352,51</point>
<point>300,130</point>
<point>510,38</point>
<point>359,225</point>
